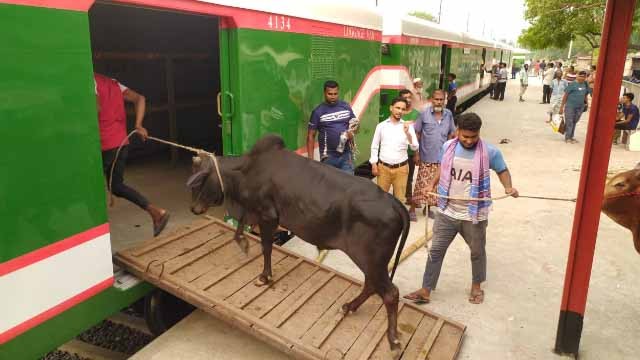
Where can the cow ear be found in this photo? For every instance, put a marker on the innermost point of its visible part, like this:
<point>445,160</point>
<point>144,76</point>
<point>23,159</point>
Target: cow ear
<point>197,179</point>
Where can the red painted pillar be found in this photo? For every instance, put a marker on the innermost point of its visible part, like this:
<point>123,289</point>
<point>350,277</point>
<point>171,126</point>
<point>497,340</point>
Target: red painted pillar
<point>613,49</point>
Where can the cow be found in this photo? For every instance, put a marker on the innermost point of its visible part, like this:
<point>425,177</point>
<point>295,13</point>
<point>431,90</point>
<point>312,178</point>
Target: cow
<point>622,202</point>
<point>330,209</point>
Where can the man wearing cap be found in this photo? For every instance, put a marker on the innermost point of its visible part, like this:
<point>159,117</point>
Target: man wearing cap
<point>420,96</point>
<point>573,101</point>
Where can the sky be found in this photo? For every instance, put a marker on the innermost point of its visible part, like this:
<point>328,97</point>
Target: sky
<point>499,19</point>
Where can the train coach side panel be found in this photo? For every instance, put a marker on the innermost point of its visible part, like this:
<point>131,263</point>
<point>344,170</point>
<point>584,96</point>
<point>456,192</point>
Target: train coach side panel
<point>280,81</point>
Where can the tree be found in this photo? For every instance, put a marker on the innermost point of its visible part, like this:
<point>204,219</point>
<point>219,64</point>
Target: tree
<point>554,23</point>
<point>424,15</point>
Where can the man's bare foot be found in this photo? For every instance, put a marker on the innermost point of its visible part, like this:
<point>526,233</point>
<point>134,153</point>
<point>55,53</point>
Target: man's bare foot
<point>421,296</point>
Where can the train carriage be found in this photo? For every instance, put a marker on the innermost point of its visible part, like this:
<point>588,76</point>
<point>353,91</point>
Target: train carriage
<point>215,75</point>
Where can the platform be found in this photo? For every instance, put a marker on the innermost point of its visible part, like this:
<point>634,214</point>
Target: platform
<point>299,312</point>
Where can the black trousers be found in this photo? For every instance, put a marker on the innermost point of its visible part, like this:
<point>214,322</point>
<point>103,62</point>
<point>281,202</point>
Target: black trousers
<point>624,127</point>
<point>492,89</point>
<point>546,94</point>
<point>412,168</point>
<point>118,187</point>
<point>451,104</point>
<point>501,87</point>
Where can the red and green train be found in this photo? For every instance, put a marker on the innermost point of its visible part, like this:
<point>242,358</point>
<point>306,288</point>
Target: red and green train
<point>216,75</point>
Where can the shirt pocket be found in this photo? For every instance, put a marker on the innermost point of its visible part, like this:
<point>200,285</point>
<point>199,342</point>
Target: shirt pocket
<point>429,128</point>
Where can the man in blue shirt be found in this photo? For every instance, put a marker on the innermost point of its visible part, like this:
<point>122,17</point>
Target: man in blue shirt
<point>575,97</point>
<point>331,121</point>
<point>631,113</point>
<point>433,128</point>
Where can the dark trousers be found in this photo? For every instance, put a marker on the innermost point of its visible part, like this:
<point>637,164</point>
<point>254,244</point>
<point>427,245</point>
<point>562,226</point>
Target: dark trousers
<point>451,104</point>
<point>492,89</point>
<point>499,93</point>
<point>624,127</point>
<point>118,187</point>
<point>412,168</point>
<point>546,94</point>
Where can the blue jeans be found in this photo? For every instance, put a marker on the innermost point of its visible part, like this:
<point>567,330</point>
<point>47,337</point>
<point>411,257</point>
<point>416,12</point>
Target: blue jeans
<point>571,118</point>
<point>343,162</point>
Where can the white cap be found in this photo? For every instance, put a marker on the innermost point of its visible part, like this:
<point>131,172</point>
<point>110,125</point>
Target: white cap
<point>416,80</point>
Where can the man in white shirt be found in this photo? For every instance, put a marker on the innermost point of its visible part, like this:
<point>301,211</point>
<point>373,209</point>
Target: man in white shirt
<point>389,160</point>
<point>547,79</point>
<point>524,80</point>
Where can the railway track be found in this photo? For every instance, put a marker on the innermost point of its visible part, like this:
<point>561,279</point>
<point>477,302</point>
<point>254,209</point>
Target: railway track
<point>115,338</point>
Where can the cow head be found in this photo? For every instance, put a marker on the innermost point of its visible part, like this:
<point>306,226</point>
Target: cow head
<point>206,190</point>
<point>622,202</point>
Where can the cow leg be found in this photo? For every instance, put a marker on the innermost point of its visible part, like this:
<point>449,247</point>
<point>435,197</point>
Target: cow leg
<point>239,237</point>
<point>354,304</point>
<point>390,297</point>
<point>266,236</point>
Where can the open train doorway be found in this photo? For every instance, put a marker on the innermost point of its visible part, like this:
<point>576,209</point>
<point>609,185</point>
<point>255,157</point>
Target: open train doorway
<point>173,60</point>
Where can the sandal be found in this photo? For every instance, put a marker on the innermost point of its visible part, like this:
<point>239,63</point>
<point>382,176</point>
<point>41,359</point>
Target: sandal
<point>157,228</point>
<point>476,298</point>
<point>417,298</point>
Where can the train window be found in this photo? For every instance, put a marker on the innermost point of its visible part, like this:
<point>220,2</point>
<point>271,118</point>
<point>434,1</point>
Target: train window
<point>385,49</point>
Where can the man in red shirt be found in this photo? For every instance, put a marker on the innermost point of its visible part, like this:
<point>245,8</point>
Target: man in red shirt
<point>112,121</point>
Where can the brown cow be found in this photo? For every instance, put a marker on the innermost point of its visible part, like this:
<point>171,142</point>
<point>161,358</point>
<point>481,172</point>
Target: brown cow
<point>622,202</point>
<point>322,205</point>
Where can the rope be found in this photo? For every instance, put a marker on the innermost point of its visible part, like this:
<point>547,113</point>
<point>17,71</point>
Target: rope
<point>189,148</point>
<point>500,197</point>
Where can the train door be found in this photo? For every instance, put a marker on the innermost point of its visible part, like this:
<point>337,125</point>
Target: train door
<point>178,61</point>
<point>445,64</point>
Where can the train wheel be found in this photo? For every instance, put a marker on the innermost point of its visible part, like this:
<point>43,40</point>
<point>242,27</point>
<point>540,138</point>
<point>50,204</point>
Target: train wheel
<point>163,310</point>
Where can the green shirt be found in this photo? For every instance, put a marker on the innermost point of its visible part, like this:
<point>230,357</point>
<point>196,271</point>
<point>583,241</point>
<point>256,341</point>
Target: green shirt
<point>412,116</point>
<point>576,93</point>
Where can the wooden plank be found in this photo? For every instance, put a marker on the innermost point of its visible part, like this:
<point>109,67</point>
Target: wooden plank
<point>330,318</point>
<point>212,277</point>
<point>346,333</point>
<point>176,264</point>
<point>431,339</point>
<point>375,341</point>
<point>419,337</point>
<point>447,343</point>
<point>224,257</point>
<point>287,276</point>
<point>185,244</point>
<point>303,299</point>
<point>408,320</point>
<point>271,306</point>
<point>241,277</point>
<point>362,344</point>
<point>153,244</point>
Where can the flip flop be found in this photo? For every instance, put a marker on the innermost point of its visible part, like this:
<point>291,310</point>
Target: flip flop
<point>476,298</point>
<point>157,228</point>
<point>417,298</point>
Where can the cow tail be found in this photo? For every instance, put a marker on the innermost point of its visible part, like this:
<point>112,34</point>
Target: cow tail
<point>404,214</point>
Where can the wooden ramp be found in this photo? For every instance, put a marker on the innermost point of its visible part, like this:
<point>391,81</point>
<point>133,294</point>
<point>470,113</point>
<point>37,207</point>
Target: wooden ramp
<point>299,312</point>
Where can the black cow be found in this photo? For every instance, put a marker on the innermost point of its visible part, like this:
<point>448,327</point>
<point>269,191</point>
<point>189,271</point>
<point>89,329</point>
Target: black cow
<point>322,205</point>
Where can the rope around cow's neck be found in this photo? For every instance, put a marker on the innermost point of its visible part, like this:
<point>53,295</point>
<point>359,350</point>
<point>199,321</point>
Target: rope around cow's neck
<point>192,149</point>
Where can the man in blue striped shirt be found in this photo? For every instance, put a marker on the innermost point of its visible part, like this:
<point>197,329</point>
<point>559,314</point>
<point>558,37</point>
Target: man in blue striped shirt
<point>330,121</point>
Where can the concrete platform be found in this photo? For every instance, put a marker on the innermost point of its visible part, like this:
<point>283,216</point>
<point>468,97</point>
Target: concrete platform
<point>200,336</point>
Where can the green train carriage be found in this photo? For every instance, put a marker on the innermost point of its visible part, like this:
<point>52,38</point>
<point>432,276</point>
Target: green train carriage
<point>216,76</point>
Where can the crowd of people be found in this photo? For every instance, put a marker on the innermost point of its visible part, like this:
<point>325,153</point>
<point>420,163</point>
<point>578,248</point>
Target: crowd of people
<point>453,165</point>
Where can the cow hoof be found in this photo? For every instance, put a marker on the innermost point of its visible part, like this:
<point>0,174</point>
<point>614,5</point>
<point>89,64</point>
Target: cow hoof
<point>243,243</point>
<point>396,352</point>
<point>262,280</point>
<point>346,309</point>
